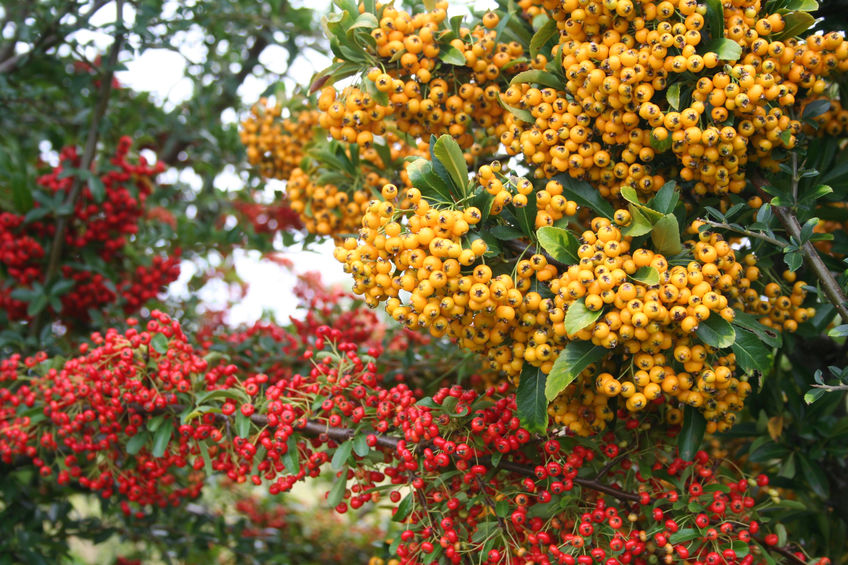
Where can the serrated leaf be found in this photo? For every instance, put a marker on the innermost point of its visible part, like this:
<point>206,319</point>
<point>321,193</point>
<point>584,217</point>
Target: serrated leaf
<point>341,455</point>
<point>542,36</point>
<point>530,399</point>
<point>578,317</point>
<point>572,361</point>
<point>751,353</point>
<point>242,425</point>
<point>725,49</point>
<point>559,243</point>
<point>432,187</point>
<point>404,508</point>
<point>715,331</point>
<point>449,154</point>
<point>648,276</point>
<point>538,77</point>
<point>666,235</point>
<point>159,343</point>
<point>337,491</point>
<point>690,437</point>
<point>162,437</point>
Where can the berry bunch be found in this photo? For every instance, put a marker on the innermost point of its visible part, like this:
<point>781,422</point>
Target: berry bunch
<point>275,145</point>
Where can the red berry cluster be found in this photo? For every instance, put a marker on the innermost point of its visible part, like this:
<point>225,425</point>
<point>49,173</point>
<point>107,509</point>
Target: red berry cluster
<point>143,415</point>
<point>96,229</point>
<point>269,219</point>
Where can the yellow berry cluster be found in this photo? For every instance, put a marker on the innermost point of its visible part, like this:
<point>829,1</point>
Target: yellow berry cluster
<point>833,122</point>
<point>274,144</point>
<point>551,205</point>
<point>324,209</point>
<point>629,98</point>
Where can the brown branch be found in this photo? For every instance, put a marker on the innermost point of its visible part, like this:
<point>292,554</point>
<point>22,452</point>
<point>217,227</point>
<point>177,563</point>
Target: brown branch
<point>87,158</point>
<point>831,288</point>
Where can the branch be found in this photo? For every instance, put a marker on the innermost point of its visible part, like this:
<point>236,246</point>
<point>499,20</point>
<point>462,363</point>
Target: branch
<point>87,158</point>
<point>831,288</point>
<point>747,233</point>
<point>52,36</point>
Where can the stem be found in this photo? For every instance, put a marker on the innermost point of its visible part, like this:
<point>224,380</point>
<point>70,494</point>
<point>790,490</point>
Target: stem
<point>748,233</point>
<point>521,248</point>
<point>87,158</point>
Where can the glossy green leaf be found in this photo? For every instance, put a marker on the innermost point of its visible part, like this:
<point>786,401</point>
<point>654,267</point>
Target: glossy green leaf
<point>715,331</point>
<point>242,425</point>
<point>585,195</point>
<point>530,399</point>
<point>136,442</point>
<point>639,224</point>
<point>796,23</point>
<point>337,491</point>
<point>751,352</point>
<point>449,154</point>
<point>360,445</point>
<point>543,78</point>
<point>767,335</point>
<point>432,187</point>
<point>672,95</point>
<point>404,509</point>
<point>815,476</point>
<point>341,455</point>
<point>573,360</point>
<point>162,437</point>
<point>159,343</point>
<point>578,317</point>
<point>559,243</point>
<point>666,198</point>
<point>692,434</point>
<point>666,235</point>
<point>452,56</point>
<point>545,33</point>
<point>646,275</point>
<point>725,49</point>
<point>715,18</point>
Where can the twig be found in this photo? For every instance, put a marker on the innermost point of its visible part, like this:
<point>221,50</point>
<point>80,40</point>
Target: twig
<point>831,388</point>
<point>747,233</point>
<point>521,248</point>
<point>87,158</point>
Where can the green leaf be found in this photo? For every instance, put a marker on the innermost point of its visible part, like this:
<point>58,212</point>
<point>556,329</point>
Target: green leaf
<point>449,154</point>
<point>403,509</point>
<point>814,394</point>
<point>452,56</point>
<point>585,195</point>
<point>136,442</point>
<point>159,343</point>
<point>506,233</point>
<point>538,77</point>
<point>751,353</point>
<point>639,224</point>
<point>242,425</point>
<point>801,6</point>
<point>579,316</point>
<point>660,145</point>
<point>341,455</point>
<point>815,108</point>
<point>683,535</point>
<point>98,190</point>
<point>360,445</point>
<point>787,469</point>
<point>37,305</point>
<point>560,244</point>
<point>666,235</point>
<point>162,437</point>
<point>646,275</point>
<point>690,437</point>
<point>337,491</point>
<point>725,49</point>
<point>672,94</point>
<point>767,335</point>
<point>814,474</point>
<point>530,399</point>
<point>715,331</point>
<point>542,36</point>
<point>572,361</point>
<point>839,331</point>
<point>796,24</point>
<point>155,423</point>
<point>432,187</point>
<point>666,198</point>
<point>523,115</point>
<point>290,458</point>
<point>715,18</point>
